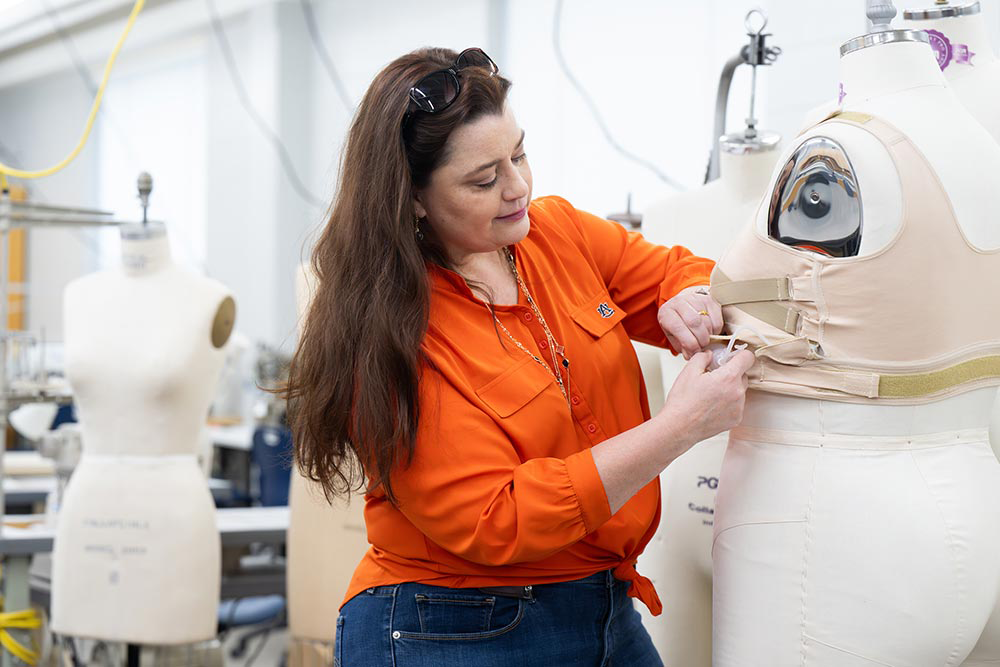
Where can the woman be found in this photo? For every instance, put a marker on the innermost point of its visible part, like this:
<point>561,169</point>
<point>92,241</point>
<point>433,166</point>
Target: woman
<point>466,360</point>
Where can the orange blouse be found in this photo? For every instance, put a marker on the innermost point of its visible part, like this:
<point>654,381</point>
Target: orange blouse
<point>503,490</point>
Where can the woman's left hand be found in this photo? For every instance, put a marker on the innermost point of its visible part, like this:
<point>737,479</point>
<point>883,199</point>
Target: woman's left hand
<point>689,319</point>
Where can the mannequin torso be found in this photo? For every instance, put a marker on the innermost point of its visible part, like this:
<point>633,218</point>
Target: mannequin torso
<point>678,559</point>
<point>143,355</point>
<point>969,62</point>
<point>820,478</point>
<point>325,545</point>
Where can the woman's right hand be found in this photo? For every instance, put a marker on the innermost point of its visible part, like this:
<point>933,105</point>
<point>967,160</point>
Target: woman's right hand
<point>704,403</point>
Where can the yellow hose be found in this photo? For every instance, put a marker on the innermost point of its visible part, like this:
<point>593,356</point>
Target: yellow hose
<point>19,173</point>
<point>23,620</point>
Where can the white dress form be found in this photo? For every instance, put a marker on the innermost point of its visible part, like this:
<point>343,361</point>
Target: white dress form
<point>976,81</point>
<point>679,557</point>
<point>325,544</point>
<point>830,515</point>
<point>962,44</point>
<point>137,554</point>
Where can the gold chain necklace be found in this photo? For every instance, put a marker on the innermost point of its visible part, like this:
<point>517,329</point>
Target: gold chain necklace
<point>554,348</point>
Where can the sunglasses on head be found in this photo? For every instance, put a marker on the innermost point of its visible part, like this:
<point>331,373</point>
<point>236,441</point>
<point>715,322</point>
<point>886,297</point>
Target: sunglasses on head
<point>435,92</point>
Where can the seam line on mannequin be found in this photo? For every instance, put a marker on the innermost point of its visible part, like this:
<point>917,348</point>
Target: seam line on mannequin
<point>749,435</point>
<point>960,591</point>
<point>752,523</point>
<point>844,650</point>
<point>807,547</point>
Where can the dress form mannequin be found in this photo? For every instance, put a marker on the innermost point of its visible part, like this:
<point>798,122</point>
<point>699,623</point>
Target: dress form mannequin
<point>325,544</point>
<point>679,557</point>
<point>975,79</point>
<point>137,555</point>
<point>864,532</point>
<point>962,44</point>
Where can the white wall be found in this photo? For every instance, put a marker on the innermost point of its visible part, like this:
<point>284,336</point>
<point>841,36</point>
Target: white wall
<point>653,71</point>
<point>651,65</point>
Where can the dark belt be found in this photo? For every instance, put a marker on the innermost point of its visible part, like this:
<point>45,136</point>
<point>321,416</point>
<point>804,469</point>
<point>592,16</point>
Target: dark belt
<point>519,592</point>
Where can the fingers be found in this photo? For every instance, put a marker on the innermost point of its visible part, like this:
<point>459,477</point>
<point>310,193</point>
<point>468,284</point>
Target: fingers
<point>699,363</point>
<point>714,314</point>
<point>676,345</point>
<point>697,324</point>
<point>677,328</point>
<point>740,363</point>
<point>704,302</point>
<point>690,319</point>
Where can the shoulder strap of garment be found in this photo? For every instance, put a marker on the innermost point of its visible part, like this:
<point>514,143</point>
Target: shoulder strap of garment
<point>882,130</point>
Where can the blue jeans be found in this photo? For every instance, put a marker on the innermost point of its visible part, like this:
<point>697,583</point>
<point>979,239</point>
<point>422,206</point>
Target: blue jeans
<point>588,622</point>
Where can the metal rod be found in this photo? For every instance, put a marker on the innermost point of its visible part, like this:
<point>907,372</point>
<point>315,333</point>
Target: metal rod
<point>24,220</point>
<point>721,102</point>
<point>751,130</point>
<point>30,206</point>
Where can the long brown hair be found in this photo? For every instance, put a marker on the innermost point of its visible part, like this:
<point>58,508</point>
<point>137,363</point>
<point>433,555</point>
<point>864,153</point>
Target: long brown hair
<point>353,382</point>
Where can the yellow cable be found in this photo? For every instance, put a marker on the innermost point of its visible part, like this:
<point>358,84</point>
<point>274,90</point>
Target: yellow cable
<point>18,173</point>
<point>23,620</point>
<point>27,619</point>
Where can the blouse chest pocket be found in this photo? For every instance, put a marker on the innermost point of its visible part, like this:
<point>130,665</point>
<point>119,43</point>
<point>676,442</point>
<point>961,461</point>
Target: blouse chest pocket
<point>516,387</point>
<point>599,315</point>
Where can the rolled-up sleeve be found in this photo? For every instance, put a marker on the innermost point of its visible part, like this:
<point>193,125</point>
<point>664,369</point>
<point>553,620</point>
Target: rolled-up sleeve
<point>469,493</point>
<point>640,276</point>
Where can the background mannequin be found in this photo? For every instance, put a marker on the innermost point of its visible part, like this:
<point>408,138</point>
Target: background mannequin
<point>975,80</point>
<point>959,31</point>
<point>325,544</point>
<point>136,553</point>
<point>679,557</point>
<point>829,550</point>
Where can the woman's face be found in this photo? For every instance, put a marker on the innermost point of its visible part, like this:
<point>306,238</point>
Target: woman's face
<point>477,200</point>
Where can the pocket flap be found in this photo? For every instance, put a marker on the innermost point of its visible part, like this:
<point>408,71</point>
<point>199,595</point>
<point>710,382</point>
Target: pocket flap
<point>511,390</point>
<point>791,352</point>
<point>599,315</point>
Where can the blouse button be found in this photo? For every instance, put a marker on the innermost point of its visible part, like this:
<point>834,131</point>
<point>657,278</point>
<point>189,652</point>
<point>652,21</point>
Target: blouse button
<point>543,344</point>
<point>576,401</point>
<point>528,317</point>
<point>592,428</point>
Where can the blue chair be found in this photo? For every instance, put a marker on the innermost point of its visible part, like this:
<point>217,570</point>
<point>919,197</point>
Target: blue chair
<point>65,415</point>
<point>271,454</point>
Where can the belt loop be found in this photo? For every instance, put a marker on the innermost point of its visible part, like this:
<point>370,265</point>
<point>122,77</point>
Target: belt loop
<point>609,580</point>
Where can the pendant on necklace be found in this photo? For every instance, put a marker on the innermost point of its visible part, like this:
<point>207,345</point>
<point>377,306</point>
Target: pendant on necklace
<point>560,349</point>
